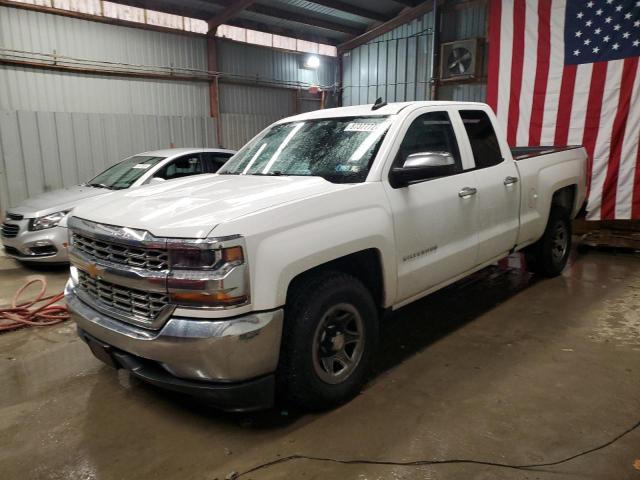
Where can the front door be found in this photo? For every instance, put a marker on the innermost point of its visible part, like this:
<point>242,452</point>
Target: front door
<point>434,220</point>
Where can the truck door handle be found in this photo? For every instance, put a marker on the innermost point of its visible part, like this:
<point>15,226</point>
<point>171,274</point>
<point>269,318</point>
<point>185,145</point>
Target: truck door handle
<point>510,180</point>
<point>466,192</point>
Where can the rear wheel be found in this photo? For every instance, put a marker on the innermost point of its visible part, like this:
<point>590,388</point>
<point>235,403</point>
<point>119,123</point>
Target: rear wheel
<point>331,329</point>
<point>549,255</point>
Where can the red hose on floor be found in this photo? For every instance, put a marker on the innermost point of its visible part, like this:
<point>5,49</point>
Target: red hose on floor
<point>25,313</point>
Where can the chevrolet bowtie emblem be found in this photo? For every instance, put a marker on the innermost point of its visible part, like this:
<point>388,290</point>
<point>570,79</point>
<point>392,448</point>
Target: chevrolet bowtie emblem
<point>94,271</point>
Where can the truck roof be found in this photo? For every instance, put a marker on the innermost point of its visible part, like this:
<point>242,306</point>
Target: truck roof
<point>365,110</point>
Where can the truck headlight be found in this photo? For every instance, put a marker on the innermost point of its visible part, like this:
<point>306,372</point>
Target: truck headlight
<point>208,274</point>
<point>47,221</point>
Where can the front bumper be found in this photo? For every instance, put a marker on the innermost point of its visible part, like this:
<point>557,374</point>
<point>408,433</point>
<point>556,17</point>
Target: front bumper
<point>197,354</point>
<point>43,246</point>
<point>251,395</point>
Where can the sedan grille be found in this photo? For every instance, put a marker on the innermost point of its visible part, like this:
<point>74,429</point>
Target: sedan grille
<point>15,216</point>
<point>129,301</point>
<point>149,258</point>
<point>10,230</point>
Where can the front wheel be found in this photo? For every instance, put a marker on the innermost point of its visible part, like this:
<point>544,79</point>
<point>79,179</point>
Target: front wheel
<point>549,255</point>
<point>331,329</point>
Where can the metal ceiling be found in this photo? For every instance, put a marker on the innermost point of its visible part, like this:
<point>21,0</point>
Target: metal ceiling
<point>325,21</point>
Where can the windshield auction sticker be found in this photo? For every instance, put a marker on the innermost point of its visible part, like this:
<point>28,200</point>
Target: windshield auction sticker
<point>361,127</point>
<point>142,166</point>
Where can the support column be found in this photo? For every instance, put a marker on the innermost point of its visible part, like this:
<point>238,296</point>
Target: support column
<point>214,84</point>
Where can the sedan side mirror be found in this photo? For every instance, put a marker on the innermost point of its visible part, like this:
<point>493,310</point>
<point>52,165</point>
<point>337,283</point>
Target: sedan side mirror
<point>422,166</point>
<point>156,181</point>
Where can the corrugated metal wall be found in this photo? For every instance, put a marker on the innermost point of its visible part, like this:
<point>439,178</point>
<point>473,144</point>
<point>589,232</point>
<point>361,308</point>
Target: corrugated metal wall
<point>42,151</point>
<point>59,128</point>
<point>52,91</point>
<point>247,109</point>
<point>397,68</point>
<point>271,65</point>
<point>394,66</point>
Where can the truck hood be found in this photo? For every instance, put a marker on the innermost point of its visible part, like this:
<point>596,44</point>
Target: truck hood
<point>192,207</point>
<point>56,200</point>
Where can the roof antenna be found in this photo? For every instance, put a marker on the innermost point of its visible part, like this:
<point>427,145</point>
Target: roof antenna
<point>379,104</point>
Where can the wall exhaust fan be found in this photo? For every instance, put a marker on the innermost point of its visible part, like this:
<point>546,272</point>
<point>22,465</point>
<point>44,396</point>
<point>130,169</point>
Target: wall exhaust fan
<point>459,60</point>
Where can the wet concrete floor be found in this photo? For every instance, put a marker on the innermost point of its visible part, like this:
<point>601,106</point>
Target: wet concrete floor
<point>502,367</point>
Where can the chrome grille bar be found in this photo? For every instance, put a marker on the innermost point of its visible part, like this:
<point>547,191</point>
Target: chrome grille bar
<point>149,258</point>
<point>136,305</point>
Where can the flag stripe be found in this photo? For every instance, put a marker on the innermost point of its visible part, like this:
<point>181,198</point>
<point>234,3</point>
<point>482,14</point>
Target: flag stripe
<point>602,149</point>
<point>517,61</point>
<point>494,53</point>
<point>564,104</point>
<point>578,115</point>
<point>528,72</point>
<point>556,69</point>
<point>624,196</point>
<point>542,72</point>
<point>617,137</point>
<point>635,205</point>
<point>592,118</point>
<point>504,74</point>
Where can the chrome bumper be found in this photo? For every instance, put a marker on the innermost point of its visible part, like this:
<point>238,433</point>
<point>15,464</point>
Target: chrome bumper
<point>26,245</point>
<point>225,350</point>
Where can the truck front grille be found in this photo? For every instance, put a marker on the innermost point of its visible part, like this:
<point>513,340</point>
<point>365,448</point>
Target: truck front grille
<point>10,230</point>
<point>129,301</point>
<point>152,259</point>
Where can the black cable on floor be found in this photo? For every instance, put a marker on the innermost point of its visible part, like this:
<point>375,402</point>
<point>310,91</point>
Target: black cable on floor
<point>416,463</point>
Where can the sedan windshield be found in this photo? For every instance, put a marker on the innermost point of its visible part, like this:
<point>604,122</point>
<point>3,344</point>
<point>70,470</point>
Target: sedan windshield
<point>339,150</point>
<point>125,173</point>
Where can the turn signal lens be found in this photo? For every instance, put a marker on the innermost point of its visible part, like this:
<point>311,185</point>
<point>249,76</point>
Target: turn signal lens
<point>233,255</point>
<point>207,299</point>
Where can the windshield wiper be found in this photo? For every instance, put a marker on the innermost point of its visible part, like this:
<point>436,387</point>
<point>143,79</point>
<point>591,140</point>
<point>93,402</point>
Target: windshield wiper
<point>100,185</point>
<point>277,173</point>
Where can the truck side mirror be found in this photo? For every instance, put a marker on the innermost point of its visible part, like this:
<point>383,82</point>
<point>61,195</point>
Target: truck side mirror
<point>422,166</point>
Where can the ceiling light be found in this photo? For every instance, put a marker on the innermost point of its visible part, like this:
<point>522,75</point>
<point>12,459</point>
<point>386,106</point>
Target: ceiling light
<point>312,61</point>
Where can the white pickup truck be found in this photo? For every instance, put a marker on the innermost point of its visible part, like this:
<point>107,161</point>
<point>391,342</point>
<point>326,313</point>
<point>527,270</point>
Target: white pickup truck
<point>269,278</point>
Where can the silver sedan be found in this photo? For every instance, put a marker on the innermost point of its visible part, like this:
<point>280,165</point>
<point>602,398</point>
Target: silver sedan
<point>32,232</point>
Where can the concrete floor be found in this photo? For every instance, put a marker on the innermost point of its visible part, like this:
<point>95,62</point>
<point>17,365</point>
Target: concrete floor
<point>502,367</point>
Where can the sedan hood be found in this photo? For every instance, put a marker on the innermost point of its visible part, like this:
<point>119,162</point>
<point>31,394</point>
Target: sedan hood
<point>56,200</point>
<point>192,207</point>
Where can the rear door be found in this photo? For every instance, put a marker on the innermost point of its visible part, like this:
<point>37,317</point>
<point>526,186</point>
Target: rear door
<point>498,187</point>
<point>212,161</point>
<point>434,221</point>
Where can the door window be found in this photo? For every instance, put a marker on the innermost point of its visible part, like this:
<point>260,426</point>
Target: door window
<point>213,161</point>
<point>484,143</point>
<point>182,167</point>
<point>430,132</point>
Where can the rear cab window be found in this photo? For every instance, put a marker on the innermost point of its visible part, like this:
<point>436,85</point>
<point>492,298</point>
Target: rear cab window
<point>482,138</point>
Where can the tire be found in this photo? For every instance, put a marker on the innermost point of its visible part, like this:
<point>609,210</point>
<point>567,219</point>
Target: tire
<point>322,316</point>
<point>549,255</point>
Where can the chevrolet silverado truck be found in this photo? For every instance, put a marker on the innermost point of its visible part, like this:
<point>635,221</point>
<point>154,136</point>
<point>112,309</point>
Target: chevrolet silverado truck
<point>268,279</point>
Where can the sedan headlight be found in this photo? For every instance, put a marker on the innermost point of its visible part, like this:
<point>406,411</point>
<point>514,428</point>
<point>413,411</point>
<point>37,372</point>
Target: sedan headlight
<point>48,221</point>
<point>211,273</point>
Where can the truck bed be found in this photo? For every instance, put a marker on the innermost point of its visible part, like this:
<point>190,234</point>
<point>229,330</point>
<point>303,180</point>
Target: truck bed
<point>520,153</point>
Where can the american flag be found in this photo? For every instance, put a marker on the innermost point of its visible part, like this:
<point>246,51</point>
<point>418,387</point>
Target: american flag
<point>566,72</point>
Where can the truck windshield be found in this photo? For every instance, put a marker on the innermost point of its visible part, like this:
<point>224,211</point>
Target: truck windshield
<point>124,174</point>
<point>339,150</point>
